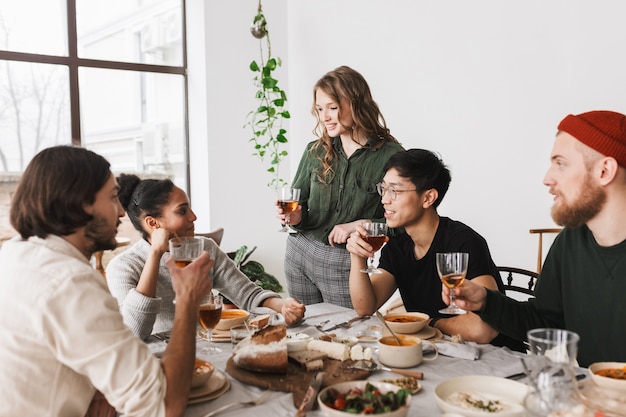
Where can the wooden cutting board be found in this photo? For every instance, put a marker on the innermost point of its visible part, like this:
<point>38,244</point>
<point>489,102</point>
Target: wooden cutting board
<point>297,380</point>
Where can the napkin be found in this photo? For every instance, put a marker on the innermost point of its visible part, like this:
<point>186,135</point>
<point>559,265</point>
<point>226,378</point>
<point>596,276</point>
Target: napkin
<point>467,350</point>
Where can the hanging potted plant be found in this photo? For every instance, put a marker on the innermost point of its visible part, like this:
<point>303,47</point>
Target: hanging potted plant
<point>266,120</point>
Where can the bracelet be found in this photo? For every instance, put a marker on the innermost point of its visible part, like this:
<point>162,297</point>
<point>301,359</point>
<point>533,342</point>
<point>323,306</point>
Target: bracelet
<point>433,321</point>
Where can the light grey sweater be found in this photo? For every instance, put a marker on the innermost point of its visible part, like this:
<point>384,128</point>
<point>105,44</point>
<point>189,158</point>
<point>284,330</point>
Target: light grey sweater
<point>146,315</point>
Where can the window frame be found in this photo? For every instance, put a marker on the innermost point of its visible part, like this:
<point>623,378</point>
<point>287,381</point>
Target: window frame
<point>73,62</point>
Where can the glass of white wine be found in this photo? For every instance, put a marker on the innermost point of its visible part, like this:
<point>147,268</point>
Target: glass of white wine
<point>288,201</point>
<point>452,269</point>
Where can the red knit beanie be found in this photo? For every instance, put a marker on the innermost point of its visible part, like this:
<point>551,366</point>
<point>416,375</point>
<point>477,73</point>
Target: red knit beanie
<point>602,130</point>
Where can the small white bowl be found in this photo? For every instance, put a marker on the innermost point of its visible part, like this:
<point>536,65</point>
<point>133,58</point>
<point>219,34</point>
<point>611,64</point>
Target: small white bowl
<point>202,372</point>
<point>347,386</point>
<point>231,318</point>
<point>605,381</point>
<point>505,390</point>
<point>297,342</point>
<point>407,323</point>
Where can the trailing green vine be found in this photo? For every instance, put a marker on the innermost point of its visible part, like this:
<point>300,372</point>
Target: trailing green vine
<point>266,121</point>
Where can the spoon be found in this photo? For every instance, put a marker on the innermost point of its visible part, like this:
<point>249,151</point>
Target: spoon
<point>382,320</point>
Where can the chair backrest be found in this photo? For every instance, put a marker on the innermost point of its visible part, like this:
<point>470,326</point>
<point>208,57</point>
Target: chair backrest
<point>541,232</point>
<point>216,235</point>
<point>518,280</point>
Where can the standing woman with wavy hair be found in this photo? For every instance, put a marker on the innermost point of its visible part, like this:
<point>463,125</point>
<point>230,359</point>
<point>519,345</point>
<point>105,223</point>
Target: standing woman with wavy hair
<point>337,176</point>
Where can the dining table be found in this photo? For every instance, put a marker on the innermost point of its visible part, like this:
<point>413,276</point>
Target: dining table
<point>492,360</point>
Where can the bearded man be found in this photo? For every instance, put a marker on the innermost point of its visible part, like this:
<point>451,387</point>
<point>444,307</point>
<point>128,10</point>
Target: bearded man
<point>583,281</point>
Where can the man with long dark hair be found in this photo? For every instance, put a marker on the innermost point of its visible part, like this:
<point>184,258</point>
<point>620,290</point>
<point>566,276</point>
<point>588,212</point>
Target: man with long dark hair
<point>62,335</point>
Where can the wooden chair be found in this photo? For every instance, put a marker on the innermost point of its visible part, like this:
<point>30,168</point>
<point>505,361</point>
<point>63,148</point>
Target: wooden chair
<point>540,232</point>
<point>216,235</point>
<point>513,278</point>
<point>121,241</point>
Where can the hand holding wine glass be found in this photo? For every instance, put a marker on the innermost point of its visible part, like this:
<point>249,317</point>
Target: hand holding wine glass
<point>452,269</point>
<point>209,315</point>
<point>288,202</point>
<point>376,236</point>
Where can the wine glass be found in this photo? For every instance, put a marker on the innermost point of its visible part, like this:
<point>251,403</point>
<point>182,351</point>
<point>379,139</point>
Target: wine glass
<point>376,236</point>
<point>452,268</point>
<point>209,315</point>
<point>288,201</point>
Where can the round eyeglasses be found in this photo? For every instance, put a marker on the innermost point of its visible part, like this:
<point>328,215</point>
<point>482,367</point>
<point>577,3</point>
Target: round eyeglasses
<point>393,193</point>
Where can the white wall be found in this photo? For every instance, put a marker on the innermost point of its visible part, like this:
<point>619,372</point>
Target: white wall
<point>482,82</point>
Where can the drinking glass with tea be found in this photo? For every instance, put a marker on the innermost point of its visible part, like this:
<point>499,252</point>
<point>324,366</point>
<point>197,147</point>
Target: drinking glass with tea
<point>185,249</point>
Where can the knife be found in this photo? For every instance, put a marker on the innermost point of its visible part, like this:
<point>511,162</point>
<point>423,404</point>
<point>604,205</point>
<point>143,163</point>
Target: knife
<point>347,323</point>
<point>310,395</point>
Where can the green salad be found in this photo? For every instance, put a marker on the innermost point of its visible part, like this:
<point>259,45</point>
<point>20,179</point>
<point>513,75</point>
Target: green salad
<point>368,401</point>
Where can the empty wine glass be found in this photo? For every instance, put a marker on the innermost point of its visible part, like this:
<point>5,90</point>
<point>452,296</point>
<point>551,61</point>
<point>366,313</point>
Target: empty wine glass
<point>452,268</point>
<point>288,201</point>
<point>209,315</point>
<point>376,237</point>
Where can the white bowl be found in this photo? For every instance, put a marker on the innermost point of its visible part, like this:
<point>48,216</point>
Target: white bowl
<point>231,318</point>
<point>605,381</point>
<point>511,393</point>
<point>297,342</point>
<point>407,323</point>
<point>202,372</point>
<point>344,387</point>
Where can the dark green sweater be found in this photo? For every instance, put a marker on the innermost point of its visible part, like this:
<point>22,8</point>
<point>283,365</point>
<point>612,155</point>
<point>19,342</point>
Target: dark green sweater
<point>582,288</point>
<point>349,195</point>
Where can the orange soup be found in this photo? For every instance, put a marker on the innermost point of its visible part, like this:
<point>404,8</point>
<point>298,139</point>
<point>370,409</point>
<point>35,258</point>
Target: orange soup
<point>232,314</point>
<point>404,319</point>
<point>404,341</point>
<point>615,373</point>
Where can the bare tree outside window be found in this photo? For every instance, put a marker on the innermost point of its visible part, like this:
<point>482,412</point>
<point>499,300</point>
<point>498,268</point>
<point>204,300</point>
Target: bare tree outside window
<point>109,76</point>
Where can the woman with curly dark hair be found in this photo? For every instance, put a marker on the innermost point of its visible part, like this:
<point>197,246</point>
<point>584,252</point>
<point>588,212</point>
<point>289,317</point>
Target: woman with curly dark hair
<point>138,277</point>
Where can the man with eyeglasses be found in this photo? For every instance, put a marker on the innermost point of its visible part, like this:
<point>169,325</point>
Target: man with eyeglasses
<point>414,185</point>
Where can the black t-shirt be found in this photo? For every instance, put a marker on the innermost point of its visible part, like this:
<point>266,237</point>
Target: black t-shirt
<point>418,280</point>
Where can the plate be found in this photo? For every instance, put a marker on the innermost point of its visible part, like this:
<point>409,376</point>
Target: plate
<point>214,384</point>
<point>509,392</point>
<point>424,334</point>
<point>221,335</point>
<point>212,395</point>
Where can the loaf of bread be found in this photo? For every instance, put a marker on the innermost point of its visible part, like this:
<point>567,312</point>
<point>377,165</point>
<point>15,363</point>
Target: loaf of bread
<point>264,351</point>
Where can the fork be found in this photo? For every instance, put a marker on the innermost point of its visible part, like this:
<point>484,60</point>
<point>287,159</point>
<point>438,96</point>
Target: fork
<point>259,400</point>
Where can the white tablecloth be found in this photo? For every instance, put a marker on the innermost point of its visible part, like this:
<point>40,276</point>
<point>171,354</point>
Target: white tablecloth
<point>493,361</point>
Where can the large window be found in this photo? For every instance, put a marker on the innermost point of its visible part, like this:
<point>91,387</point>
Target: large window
<point>109,76</point>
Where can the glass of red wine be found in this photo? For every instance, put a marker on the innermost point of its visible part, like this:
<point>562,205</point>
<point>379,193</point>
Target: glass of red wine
<point>376,237</point>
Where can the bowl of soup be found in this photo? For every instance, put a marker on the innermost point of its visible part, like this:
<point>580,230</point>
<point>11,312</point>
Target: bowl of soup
<point>407,354</point>
<point>609,374</point>
<point>202,372</point>
<point>407,323</point>
<point>231,318</point>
